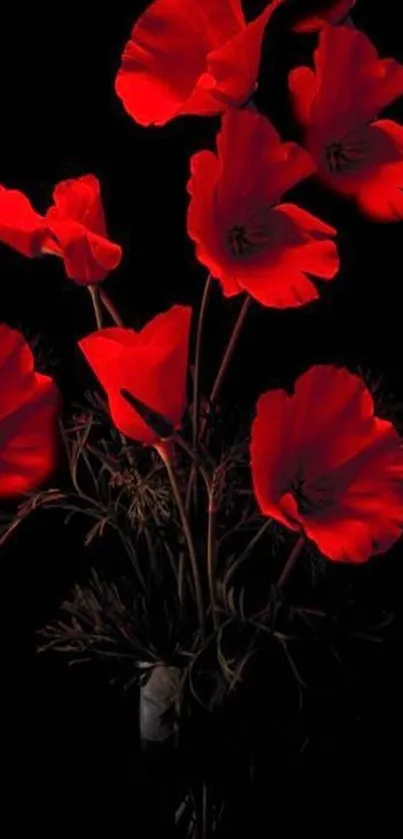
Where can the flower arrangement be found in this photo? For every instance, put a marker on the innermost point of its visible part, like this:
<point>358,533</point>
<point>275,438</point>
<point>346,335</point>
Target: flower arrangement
<point>317,476</point>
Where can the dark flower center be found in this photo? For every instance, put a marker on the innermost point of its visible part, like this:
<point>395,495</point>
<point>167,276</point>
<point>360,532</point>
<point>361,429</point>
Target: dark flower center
<point>244,241</point>
<point>312,498</point>
<point>346,155</point>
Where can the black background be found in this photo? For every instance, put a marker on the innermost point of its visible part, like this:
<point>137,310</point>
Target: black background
<point>68,740</point>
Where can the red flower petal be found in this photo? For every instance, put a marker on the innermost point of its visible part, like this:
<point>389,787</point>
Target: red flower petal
<point>302,249</point>
<point>77,222</point>
<point>20,226</point>
<point>79,199</point>
<point>380,192</point>
<point>87,257</point>
<point>30,403</point>
<point>362,87</point>
<point>187,57</point>
<point>16,370</point>
<point>337,11</point>
<point>234,67</point>
<point>353,157</point>
<point>370,508</point>
<point>151,365</point>
<point>303,86</point>
<point>201,220</point>
<point>244,242</point>
<point>256,165</point>
<point>322,462</point>
<point>369,168</point>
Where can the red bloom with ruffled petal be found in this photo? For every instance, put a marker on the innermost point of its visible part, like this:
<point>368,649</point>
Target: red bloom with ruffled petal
<point>21,227</point>
<point>356,154</point>
<point>150,364</point>
<point>73,229</point>
<point>330,12</point>
<point>190,57</point>
<point>245,237</point>
<point>77,222</point>
<point>322,463</point>
<point>29,403</point>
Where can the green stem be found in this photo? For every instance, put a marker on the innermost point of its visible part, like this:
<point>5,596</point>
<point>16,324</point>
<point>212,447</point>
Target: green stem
<point>96,305</point>
<point>291,561</point>
<point>187,534</point>
<point>110,307</point>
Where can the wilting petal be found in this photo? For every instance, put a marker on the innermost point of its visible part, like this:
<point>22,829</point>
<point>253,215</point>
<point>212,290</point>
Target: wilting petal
<point>151,365</point>
<point>20,226</point>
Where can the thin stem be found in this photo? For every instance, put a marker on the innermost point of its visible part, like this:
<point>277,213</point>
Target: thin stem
<point>195,464</point>
<point>229,351</point>
<point>185,446</point>
<point>110,307</point>
<point>291,561</point>
<point>187,534</point>
<point>196,377</point>
<point>94,294</point>
<point>192,484</point>
<point>227,358</point>
<point>127,543</point>
<point>244,555</point>
<point>204,811</point>
<point>211,522</point>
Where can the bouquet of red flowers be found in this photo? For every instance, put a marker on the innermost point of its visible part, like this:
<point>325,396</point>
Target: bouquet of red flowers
<point>215,517</point>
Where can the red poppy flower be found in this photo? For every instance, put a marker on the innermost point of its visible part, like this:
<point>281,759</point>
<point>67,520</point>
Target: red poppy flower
<point>29,404</point>
<point>20,226</point>
<point>73,228</point>
<point>328,13</point>
<point>245,237</point>
<point>77,222</point>
<point>150,364</point>
<point>323,463</point>
<point>356,154</point>
<point>190,57</point>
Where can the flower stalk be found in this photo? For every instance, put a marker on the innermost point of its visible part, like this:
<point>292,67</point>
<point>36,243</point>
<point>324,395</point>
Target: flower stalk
<point>164,454</point>
<point>94,294</point>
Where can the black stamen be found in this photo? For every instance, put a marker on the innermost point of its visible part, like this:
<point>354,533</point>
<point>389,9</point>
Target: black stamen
<point>345,155</point>
<point>245,240</point>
